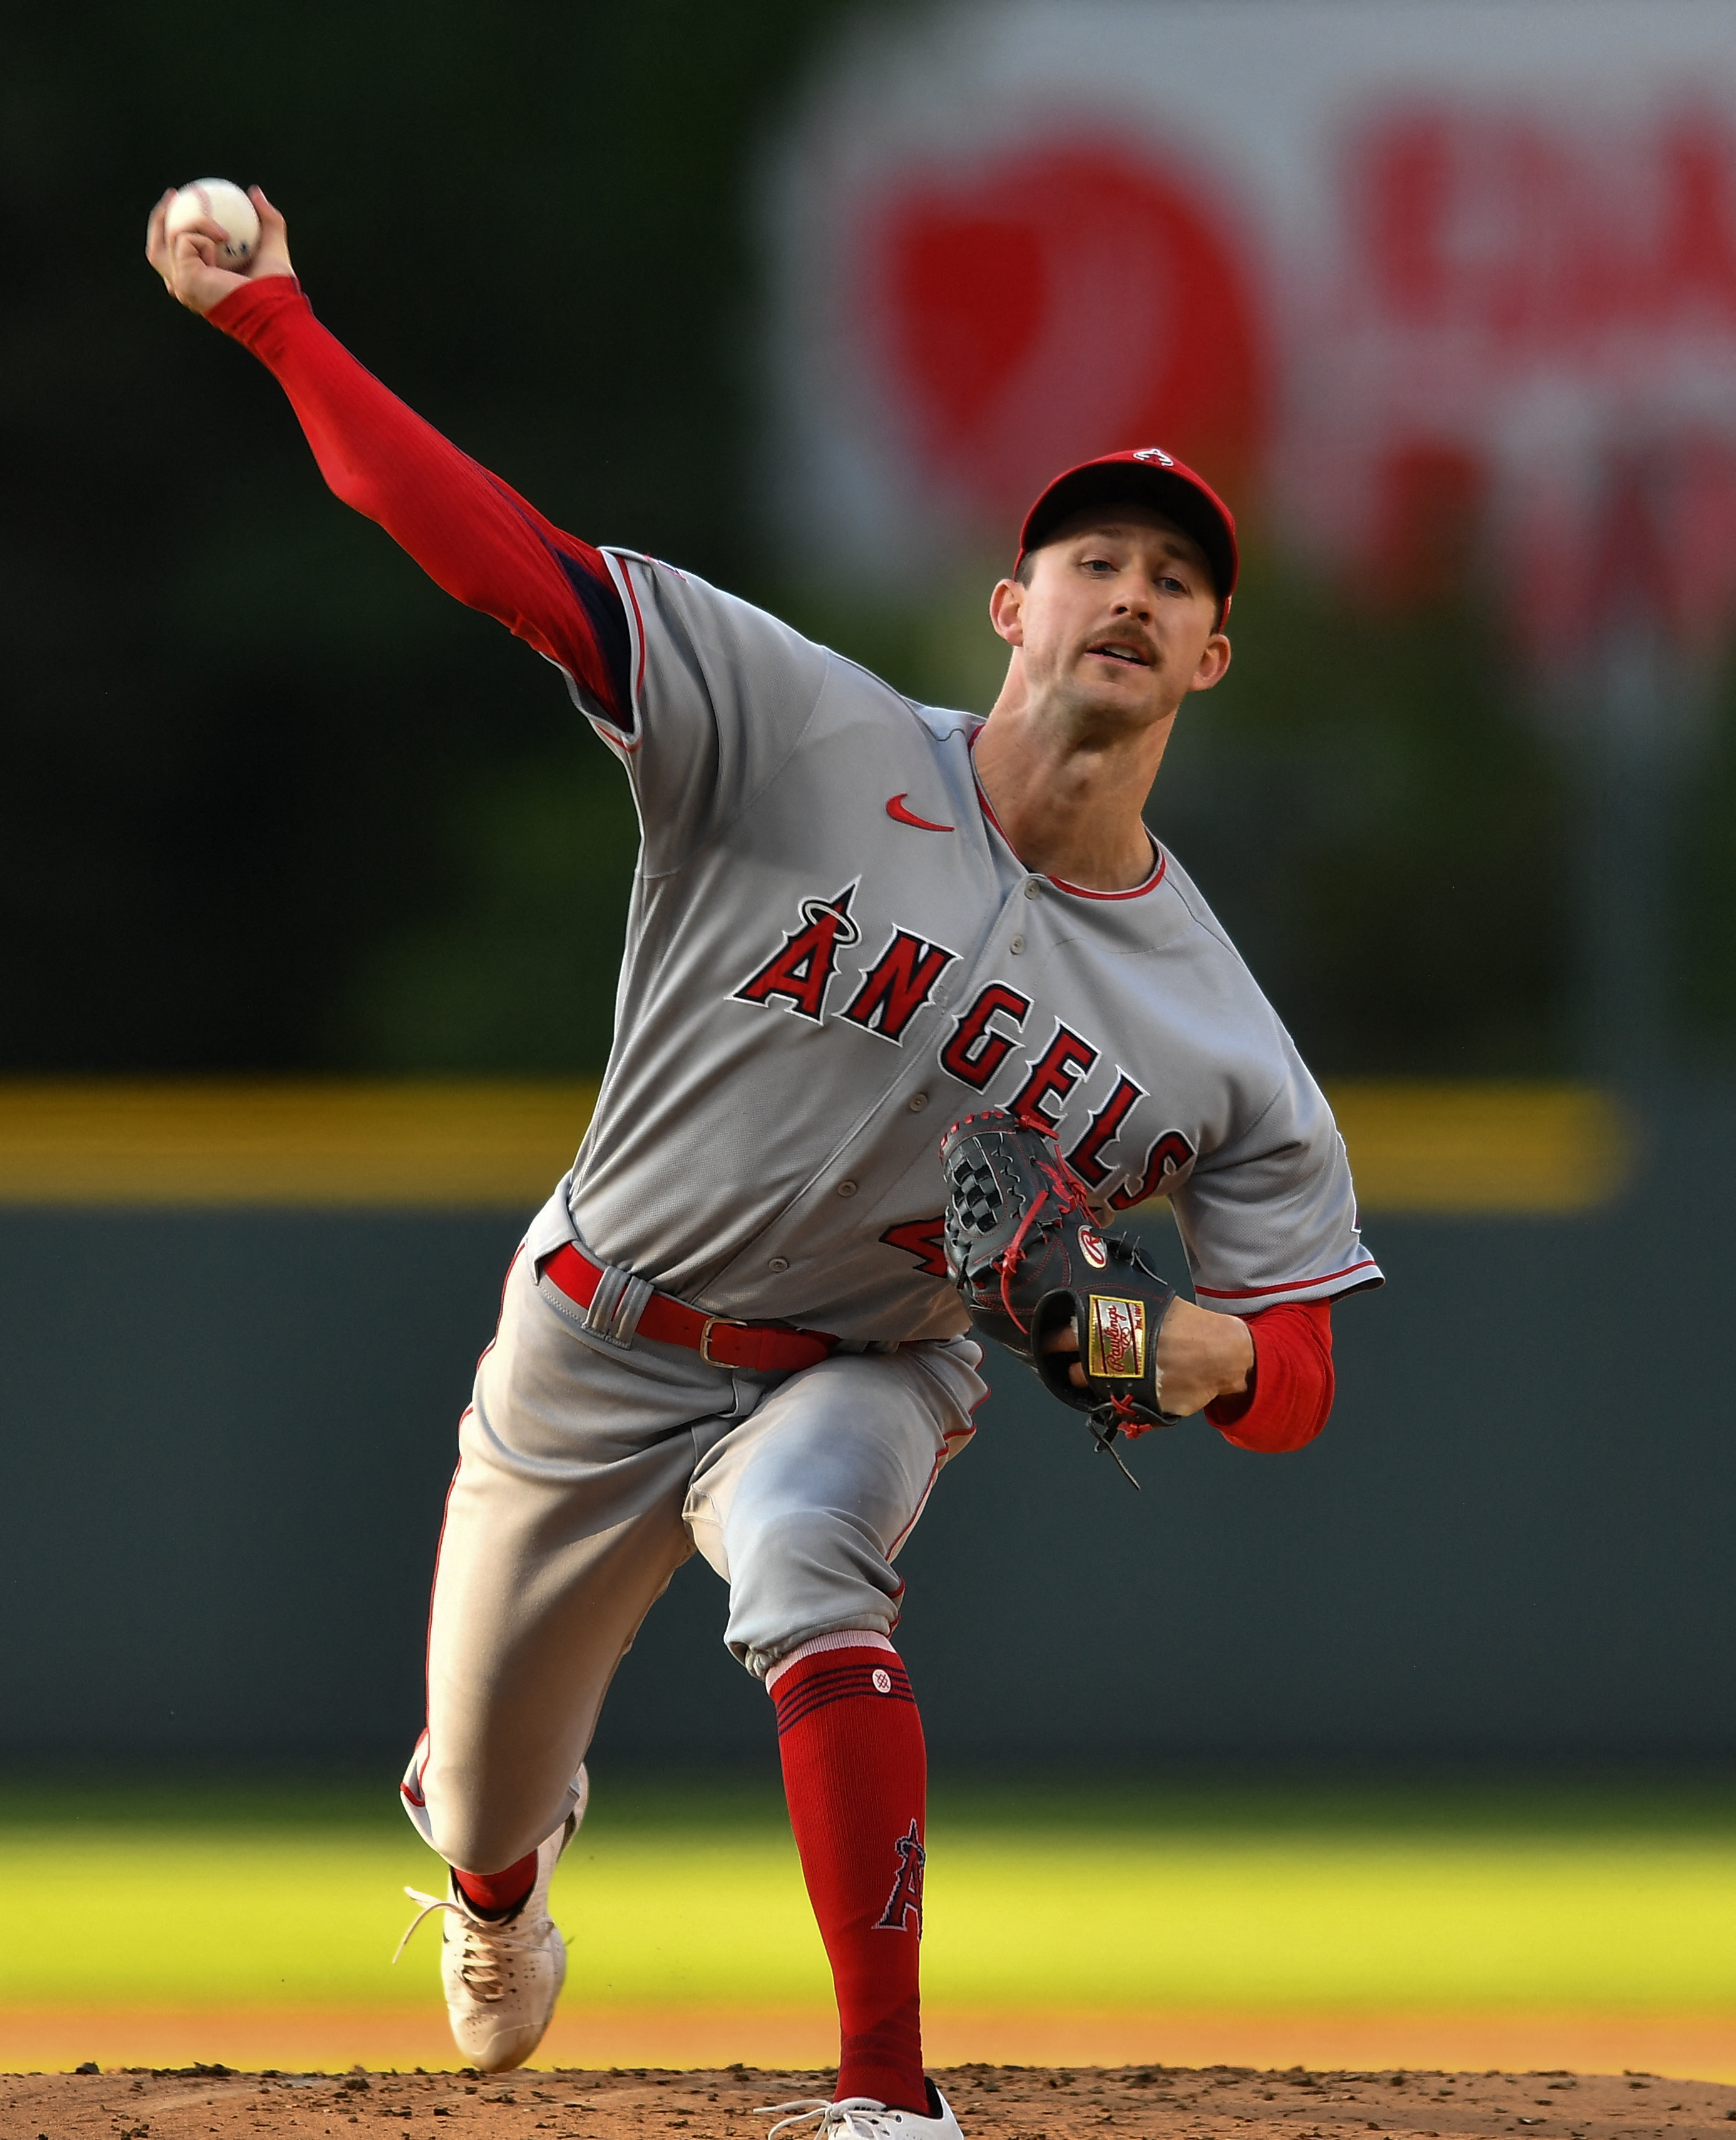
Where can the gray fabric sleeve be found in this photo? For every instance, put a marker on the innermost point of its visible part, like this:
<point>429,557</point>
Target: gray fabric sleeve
<point>722,692</point>
<point>1272,1215</point>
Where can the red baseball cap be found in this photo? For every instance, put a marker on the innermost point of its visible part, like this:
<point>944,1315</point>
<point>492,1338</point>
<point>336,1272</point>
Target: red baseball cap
<point>1155,478</point>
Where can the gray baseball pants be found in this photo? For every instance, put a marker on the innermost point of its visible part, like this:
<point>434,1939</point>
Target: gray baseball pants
<point>587,1476</point>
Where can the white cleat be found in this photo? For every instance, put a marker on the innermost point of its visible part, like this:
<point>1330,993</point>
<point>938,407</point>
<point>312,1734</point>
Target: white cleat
<point>502,1975</point>
<point>861,2117</point>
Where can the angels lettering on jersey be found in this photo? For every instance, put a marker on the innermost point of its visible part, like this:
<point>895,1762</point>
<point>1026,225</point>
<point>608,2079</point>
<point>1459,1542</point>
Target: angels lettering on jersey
<point>903,975</point>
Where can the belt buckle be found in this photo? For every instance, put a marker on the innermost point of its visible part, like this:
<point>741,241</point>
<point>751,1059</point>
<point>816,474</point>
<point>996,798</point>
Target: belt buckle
<point>713,1322</point>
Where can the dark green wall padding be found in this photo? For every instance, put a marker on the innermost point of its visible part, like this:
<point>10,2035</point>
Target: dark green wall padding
<point>226,1440</point>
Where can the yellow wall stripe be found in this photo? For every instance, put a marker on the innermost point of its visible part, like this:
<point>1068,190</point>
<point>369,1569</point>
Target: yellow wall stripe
<point>1483,1149</point>
<point>430,1145</point>
<point>412,1145</point>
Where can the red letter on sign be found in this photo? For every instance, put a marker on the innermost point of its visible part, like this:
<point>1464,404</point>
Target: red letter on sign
<point>1062,1062</point>
<point>992,1048</point>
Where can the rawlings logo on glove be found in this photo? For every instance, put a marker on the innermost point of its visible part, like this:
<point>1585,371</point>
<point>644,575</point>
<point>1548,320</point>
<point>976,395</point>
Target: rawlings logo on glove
<point>1025,1253</point>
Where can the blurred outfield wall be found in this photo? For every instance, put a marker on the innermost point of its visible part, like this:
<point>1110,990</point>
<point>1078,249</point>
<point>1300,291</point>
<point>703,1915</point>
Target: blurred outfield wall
<point>229,1431</point>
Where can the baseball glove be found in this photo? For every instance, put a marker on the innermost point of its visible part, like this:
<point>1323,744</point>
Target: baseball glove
<point>1026,1255</point>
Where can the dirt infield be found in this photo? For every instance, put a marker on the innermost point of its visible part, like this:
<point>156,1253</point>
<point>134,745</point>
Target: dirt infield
<point>994,2102</point>
<point>669,2037</point>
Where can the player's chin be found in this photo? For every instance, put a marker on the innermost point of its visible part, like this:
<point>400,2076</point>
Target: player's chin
<point>1126,687</point>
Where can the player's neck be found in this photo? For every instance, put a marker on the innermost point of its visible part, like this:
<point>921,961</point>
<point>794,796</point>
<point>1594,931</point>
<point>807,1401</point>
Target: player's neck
<point>1070,805</point>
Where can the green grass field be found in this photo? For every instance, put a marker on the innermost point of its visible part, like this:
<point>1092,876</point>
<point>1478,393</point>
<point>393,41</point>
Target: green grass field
<point>1294,1896</point>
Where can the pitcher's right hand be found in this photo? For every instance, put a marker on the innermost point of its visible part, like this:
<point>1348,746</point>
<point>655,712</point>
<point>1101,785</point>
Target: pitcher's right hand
<point>188,261</point>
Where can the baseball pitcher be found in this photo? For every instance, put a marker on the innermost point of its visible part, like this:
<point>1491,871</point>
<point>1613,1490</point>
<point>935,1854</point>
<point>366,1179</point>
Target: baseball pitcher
<point>912,1005</point>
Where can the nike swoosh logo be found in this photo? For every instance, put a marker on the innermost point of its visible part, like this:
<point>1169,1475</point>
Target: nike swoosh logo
<point>895,810</point>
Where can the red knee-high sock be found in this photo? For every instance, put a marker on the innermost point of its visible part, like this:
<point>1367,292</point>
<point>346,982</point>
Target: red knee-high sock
<point>855,1773</point>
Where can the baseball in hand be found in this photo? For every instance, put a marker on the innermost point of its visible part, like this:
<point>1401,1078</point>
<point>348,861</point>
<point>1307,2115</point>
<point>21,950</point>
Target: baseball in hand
<point>223,204</point>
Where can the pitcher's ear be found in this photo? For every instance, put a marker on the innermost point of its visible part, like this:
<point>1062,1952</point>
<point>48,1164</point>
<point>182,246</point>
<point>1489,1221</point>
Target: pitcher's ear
<point>1006,611</point>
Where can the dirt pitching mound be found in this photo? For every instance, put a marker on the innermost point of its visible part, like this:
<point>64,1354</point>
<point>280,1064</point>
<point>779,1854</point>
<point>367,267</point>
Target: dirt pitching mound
<point>993,2103</point>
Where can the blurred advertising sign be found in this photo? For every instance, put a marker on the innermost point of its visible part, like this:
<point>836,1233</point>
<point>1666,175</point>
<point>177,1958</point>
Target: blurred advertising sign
<point>1426,289</point>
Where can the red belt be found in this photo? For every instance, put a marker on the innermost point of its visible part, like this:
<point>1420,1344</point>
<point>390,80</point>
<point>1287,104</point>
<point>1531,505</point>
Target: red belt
<point>763,1347</point>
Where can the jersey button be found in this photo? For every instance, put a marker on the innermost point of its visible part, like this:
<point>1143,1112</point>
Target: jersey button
<point>918,1101</point>
<point>1033,886</point>
<point>778,1264</point>
<point>847,1189</point>
<point>1016,946</point>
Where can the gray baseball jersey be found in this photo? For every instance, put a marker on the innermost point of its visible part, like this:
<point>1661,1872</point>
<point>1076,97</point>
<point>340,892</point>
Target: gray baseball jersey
<point>831,955</point>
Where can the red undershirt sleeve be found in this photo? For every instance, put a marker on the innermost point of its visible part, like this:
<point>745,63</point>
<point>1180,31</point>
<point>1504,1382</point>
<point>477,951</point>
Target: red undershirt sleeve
<point>1290,1391</point>
<point>468,532</point>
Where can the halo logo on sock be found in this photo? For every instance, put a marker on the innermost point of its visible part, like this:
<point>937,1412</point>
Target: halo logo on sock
<point>883,1680</point>
<point>906,1899</point>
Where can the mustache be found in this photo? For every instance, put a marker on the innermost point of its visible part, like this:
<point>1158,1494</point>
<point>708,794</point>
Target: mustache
<point>1123,640</point>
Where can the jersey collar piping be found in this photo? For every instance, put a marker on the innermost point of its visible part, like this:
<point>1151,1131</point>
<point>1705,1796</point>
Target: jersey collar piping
<point>1076,891</point>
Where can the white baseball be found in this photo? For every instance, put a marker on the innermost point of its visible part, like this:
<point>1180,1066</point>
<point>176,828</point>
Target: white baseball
<point>225,203</point>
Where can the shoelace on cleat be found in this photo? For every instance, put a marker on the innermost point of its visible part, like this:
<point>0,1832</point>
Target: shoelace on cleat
<point>486,1950</point>
<point>826,2117</point>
